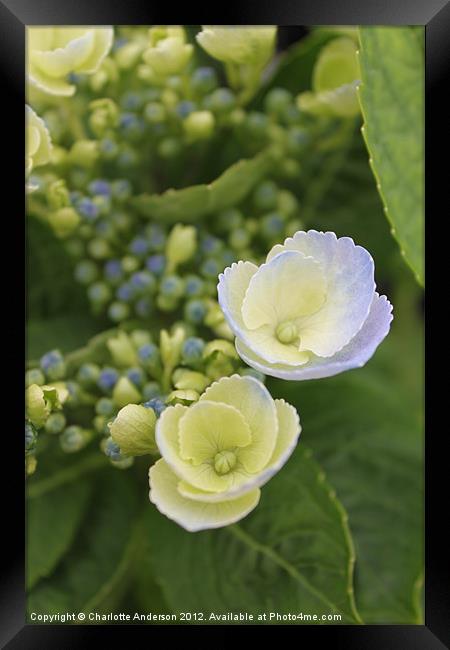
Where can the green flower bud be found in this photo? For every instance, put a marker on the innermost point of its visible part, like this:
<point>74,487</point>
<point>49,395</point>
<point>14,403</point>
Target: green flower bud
<point>88,374</point>
<point>168,55</point>
<point>287,203</point>
<point>184,379</point>
<point>199,125</point>
<point>220,347</point>
<point>129,54</point>
<point>84,153</point>
<point>37,407</point>
<point>140,338</point>
<point>101,424</point>
<point>335,78</point>
<point>118,311</point>
<point>122,350</point>
<point>125,392</point>
<point>130,264</point>
<point>63,221</point>
<point>57,195</point>
<point>34,376</point>
<point>30,465</point>
<point>184,397</point>
<point>216,321</point>
<point>123,463</point>
<point>134,430</point>
<point>170,347</point>
<point>241,45</point>
<point>55,423</point>
<point>180,246</point>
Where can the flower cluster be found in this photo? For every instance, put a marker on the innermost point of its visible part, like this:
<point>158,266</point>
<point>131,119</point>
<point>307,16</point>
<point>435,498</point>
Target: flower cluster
<point>161,179</point>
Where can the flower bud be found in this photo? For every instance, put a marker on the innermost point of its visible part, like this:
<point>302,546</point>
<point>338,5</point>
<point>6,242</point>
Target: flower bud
<point>38,143</point>
<point>63,221</point>
<point>170,346</point>
<point>199,125</point>
<point>34,376</point>
<point>125,392</point>
<point>168,55</point>
<point>104,116</point>
<point>53,365</point>
<point>140,337</point>
<point>84,153</point>
<point>30,465</point>
<point>180,246</point>
<point>55,423</point>
<point>74,438</point>
<point>150,390</point>
<point>118,311</point>
<point>57,195</point>
<point>122,350</point>
<point>242,45</point>
<point>192,352</point>
<point>134,430</point>
<point>105,406</point>
<point>30,437</point>
<point>150,357</point>
<point>107,379</point>
<point>184,379</point>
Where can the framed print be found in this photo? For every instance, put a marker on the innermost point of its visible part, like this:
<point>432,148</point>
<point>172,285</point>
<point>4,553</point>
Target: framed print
<point>224,317</point>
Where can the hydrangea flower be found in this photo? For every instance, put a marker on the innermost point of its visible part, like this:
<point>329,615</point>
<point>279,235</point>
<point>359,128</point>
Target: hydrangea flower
<point>56,52</point>
<point>310,311</point>
<point>38,143</point>
<point>217,453</point>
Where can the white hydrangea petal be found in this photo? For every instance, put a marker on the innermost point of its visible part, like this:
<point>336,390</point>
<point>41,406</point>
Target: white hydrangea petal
<point>208,428</point>
<point>354,355</point>
<point>233,283</point>
<point>349,270</point>
<point>289,430</point>
<point>190,514</point>
<point>102,44</point>
<point>289,286</point>
<point>49,85</point>
<point>251,398</point>
<point>62,60</point>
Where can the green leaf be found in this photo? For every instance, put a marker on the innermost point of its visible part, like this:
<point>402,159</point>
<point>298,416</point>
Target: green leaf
<point>293,553</point>
<point>96,571</point>
<point>365,427</point>
<point>293,69</point>
<point>192,203</point>
<point>52,521</point>
<point>392,102</point>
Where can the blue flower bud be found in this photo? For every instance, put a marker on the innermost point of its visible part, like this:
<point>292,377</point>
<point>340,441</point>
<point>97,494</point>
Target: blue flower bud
<point>154,113</point>
<point>131,126</point>
<point>108,149</point>
<point>192,351</point>
<point>211,245</point>
<point>136,376</point>
<point>150,390</point>
<point>88,374</point>
<point>126,292</point>
<point>88,209</point>
<point>34,376</point>
<point>138,246</point>
<point>30,436</point>
<point>297,141</point>
<point>143,281</point>
<point>132,101</point>
<point>157,404</point>
<point>112,449</point>
<point>156,263</point>
<point>156,237</point>
<point>74,438</point>
<point>99,293</point>
<point>185,108</point>
<point>100,187</point>
<point>272,225</point>
<point>204,80</point>
<point>171,286</point>
<point>118,311</point>
<point>194,285</point>
<point>107,379</point>
<point>121,189</point>
<point>113,270</point>
<point>221,100</point>
<point>149,355</point>
<point>239,238</point>
<point>105,406</point>
<point>53,365</point>
<point>195,311</point>
<point>265,196</point>
<point>55,423</point>
<point>144,307</point>
<point>210,268</point>
<point>103,204</point>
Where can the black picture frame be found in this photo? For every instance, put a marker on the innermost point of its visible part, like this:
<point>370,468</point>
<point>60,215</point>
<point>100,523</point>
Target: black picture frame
<point>15,15</point>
